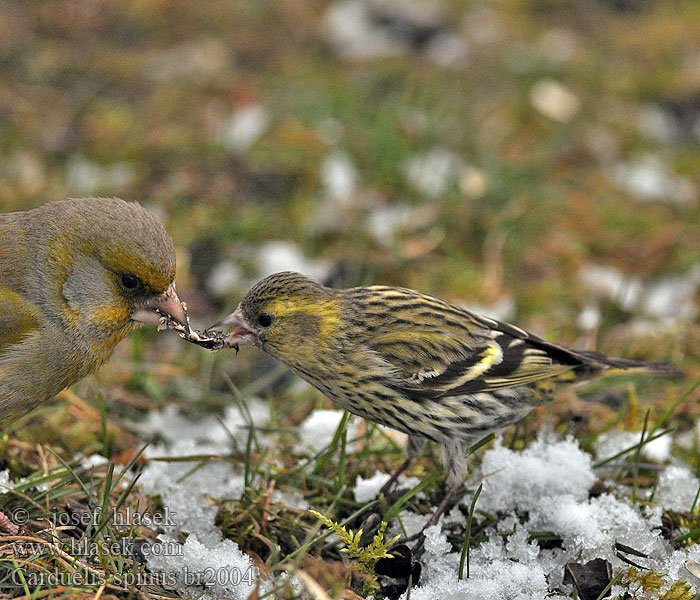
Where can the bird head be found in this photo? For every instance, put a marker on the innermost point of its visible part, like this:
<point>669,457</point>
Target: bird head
<point>104,266</point>
<point>288,315</point>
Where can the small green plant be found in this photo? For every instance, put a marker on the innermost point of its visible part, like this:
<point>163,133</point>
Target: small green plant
<point>366,557</point>
<point>651,583</point>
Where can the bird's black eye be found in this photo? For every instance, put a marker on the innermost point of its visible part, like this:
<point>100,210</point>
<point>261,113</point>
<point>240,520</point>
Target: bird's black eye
<point>130,282</point>
<point>265,319</point>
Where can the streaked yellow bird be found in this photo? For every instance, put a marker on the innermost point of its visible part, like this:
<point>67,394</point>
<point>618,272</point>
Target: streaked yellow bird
<point>412,361</point>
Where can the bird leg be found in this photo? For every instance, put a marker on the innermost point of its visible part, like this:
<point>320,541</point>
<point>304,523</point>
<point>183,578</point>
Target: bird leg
<point>413,449</point>
<point>454,458</point>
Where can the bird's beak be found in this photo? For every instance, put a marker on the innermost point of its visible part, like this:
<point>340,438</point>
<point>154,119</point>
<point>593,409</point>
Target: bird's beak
<point>243,333</point>
<point>167,304</point>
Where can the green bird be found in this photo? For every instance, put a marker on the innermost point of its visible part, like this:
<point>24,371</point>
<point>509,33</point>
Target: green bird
<point>76,277</point>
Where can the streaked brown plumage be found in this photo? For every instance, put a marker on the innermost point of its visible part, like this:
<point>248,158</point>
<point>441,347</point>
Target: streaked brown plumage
<point>412,361</point>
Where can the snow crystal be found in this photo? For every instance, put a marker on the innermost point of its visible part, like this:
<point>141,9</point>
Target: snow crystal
<point>521,480</point>
<point>676,565</point>
<point>206,571</point>
<point>493,573</point>
<point>676,489</point>
<point>591,528</point>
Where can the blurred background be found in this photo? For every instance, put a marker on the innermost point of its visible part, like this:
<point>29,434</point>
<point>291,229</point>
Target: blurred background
<point>534,161</point>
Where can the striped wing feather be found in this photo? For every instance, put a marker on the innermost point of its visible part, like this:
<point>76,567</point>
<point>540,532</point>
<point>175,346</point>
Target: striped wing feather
<point>437,349</point>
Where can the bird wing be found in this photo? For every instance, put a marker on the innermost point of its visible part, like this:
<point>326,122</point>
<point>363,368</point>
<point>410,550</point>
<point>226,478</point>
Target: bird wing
<point>18,318</point>
<point>436,349</point>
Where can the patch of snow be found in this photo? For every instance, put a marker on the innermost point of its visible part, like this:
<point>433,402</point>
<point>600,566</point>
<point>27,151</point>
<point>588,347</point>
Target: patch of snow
<point>277,256</point>
<point>676,567</point>
<point>448,50</point>
<point>6,484</point>
<point>186,490</point>
<point>87,177</point>
<point>224,278</point>
<point>657,124</point>
<point>368,489</point>
<point>433,172</point>
<point>503,309</point>
<point>94,460</point>
<point>589,318</point>
<point>354,34</point>
<point>673,297</point>
<point>554,100</point>
<point>521,480</point>
<point>339,178</point>
<point>677,488</point>
<point>493,572</point>
<point>612,284</point>
<point>318,429</point>
<point>206,570</point>
<point>385,222</point>
<point>245,126</point>
<point>290,498</point>
<point>648,179</point>
<point>610,443</point>
<point>547,485</point>
<point>668,298</point>
<point>590,528</point>
<point>179,430</point>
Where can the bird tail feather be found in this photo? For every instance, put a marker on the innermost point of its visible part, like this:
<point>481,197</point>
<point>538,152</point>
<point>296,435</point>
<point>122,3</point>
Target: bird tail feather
<point>622,366</point>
